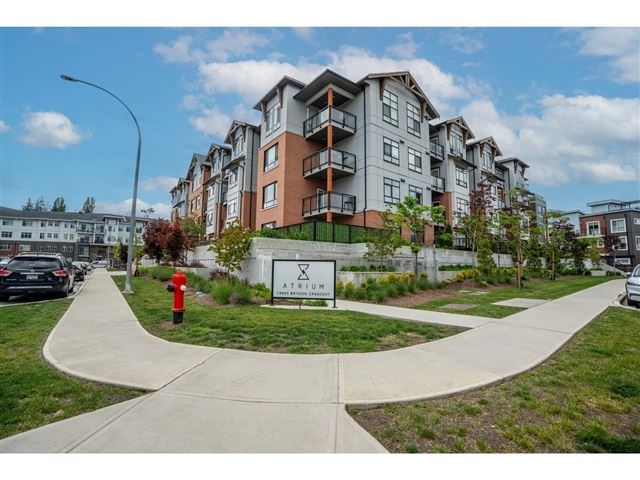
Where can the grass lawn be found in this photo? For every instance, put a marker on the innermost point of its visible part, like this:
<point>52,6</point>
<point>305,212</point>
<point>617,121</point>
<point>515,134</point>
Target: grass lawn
<point>33,393</point>
<point>534,288</point>
<point>274,330</point>
<point>586,398</point>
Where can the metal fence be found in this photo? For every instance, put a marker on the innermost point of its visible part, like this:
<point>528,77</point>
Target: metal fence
<point>320,231</point>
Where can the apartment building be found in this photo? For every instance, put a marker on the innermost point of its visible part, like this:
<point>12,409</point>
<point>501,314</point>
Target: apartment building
<point>80,236</point>
<point>342,151</point>
<point>180,199</point>
<point>197,174</point>
<point>216,188</point>
<point>618,219</point>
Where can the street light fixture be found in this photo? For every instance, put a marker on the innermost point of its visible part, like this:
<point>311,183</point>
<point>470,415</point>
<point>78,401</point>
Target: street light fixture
<point>132,228</point>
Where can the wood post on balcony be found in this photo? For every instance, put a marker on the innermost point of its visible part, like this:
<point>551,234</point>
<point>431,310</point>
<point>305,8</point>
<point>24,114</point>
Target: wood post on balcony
<point>329,146</point>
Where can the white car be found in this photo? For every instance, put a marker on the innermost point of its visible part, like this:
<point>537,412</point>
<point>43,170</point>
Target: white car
<point>100,264</point>
<point>633,287</point>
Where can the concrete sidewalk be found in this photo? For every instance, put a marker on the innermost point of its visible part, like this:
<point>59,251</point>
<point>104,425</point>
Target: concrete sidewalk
<point>220,400</point>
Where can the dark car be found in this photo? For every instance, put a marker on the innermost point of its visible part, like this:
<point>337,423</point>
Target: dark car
<point>36,273</point>
<point>79,271</point>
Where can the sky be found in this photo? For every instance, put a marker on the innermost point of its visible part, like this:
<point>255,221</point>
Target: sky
<point>564,100</point>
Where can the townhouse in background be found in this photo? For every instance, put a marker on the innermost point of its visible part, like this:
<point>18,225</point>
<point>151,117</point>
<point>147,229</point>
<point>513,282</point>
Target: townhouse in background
<point>618,219</point>
<point>342,151</point>
<point>79,236</point>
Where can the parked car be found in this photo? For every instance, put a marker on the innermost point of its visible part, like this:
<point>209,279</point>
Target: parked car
<point>100,264</point>
<point>4,261</point>
<point>87,266</point>
<point>632,286</point>
<point>79,271</point>
<point>36,273</point>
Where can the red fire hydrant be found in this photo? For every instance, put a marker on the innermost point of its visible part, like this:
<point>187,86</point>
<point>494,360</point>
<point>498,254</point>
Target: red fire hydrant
<point>178,287</point>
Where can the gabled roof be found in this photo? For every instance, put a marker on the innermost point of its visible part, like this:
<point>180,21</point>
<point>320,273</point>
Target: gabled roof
<point>284,81</point>
<point>234,126</point>
<point>512,159</point>
<point>218,146</point>
<point>406,79</point>
<point>326,77</point>
<point>459,120</point>
<point>488,140</point>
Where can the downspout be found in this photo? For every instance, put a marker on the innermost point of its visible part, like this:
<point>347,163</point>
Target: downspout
<point>251,180</point>
<point>364,123</point>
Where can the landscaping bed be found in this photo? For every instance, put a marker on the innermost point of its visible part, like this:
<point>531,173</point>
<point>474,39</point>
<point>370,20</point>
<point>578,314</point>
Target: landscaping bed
<point>586,398</point>
<point>33,392</point>
<point>251,327</point>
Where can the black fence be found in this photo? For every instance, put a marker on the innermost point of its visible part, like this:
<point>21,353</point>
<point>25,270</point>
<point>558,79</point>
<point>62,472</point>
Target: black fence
<point>320,231</point>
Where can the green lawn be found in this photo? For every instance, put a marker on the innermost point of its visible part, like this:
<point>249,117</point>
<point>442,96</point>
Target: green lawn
<point>32,392</point>
<point>586,398</point>
<point>534,288</point>
<point>274,330</point>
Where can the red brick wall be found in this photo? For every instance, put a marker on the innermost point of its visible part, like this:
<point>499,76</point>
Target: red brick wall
<point>593,218</point>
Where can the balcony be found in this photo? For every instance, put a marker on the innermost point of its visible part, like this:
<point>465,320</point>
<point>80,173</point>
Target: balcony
<point>315,127</point>
<point>316,165</point>
<point>338,203</point>
<point>437,183</point>
<point>436,150</point>
<point>456,152</point>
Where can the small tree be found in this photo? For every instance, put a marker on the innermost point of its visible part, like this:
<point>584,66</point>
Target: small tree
<point>557,240</point>
<point>593,252</point>
<point>40,205</point>
<point>155,239</point>
<point>445,239</point>
<point>194,230</point>
<point>515,222</point>
<point>120,252</point>
<point>416,217</point>
<point>485,256</point>
<point>89,205</point>
<point>232,246</point>
<point>175,243</point>
<point>611,246</point>
<point>59,205</point>
<point>383,243</point>
<point>28,207</point>
<point>477,222</point>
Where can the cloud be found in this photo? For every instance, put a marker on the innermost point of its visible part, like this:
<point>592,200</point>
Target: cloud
<point>404,47</point>
<point>160,183</point>
<point>179,51</point>
<point>461,42</point>
<point>50,129</point>
<point>216,122</point>
<point>584,137</point>
<point>4,127</point>
<point>161,210</point>
<point>304,33</point>
<point>620,45</point>
<point>190,102</point>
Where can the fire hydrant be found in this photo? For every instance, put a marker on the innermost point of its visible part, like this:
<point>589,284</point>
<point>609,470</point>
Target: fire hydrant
<point>178,286</point>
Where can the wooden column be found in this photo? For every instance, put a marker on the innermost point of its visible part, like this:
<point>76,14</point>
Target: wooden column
<point>329,146</point>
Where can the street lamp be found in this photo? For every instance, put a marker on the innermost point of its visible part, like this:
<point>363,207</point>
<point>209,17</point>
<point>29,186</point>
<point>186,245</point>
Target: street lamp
<point>132,228</point>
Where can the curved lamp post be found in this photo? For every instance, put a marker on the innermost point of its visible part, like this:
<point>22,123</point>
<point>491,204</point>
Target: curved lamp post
<point>132,228</point>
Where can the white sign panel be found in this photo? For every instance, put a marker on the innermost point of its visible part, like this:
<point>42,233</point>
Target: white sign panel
<point>303,279</point>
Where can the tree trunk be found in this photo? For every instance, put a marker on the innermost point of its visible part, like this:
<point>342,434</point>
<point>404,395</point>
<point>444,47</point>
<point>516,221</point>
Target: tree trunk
<point>415,265</point>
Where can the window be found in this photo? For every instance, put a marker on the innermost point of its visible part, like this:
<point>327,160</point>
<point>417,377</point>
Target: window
<point>462,205</point>
<point>486,159</point>
<point>238,144</point>
<point>55,235</point>
<point>623,261</point>
<point>624,244</point>
<point>390,108</point>
<point>272,119</point>
<point>49,235</point>
<point>413,119</point>
<point>456,144</point>
<point>42,236</point>
<point>7,222</point>
<point>391,191</point>
<point>56,224</point>
<point>25,248</point>
<point>461,177</point>
<point>600,243</point>
<point>232,209</point>
<point>27,223</point>
<point>233,178</point>
<point>196,182</point>
<point>415,160</point>
<point>43,223</point>
<point>7,246</point>
<point>593,229</point>
<point>268,225</point>
<point>270,195</point>
<point>637,243</point>
<point>391,151</point>
<point>25,235</point>
<point>271,158</point>
<point>618,225</point>
<point>636,221</point>
<point>416,192</point>
<point>6,234</point>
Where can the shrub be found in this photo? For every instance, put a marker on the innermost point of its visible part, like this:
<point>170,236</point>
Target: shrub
<point>231,291</point>
<point>197,283</point>
<point>316,303</point>
<point>379,295</point>
<point>221,290</point>
<point>360,293</point>
<point>423,282</point>
<point>339,288</point>
<point>349,289</point>
<point>260,290</point>
<point>401,287</point>
<point>162,273</point>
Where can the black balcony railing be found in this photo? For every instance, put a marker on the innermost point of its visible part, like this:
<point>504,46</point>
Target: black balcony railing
<point>437,183</point>
<point>436,150</point>
<point>329,157</point>
<point>326,116</point>
<point>329,202</point>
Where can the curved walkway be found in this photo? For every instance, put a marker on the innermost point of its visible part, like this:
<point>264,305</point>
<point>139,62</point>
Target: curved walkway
<point>220,400</point>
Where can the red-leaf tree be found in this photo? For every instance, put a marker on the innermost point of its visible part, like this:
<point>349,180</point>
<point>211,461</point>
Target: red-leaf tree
<point>155,238</point>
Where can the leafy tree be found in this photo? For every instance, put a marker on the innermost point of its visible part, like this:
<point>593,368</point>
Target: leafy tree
<point>477,223</point>
<point>120,252</point>
<point>514,222</point>
<point>175,243</point>
<point>611,247</point>
<point>194,230</point>
<point>593,252</point>
<point>410,213</point>
<point>89,205</point>
<point>59,205</point>
<point>445,240</point>
<point>557,240</point>
<point>383,243</point>
<point>28,207</point>
<point>155,239</point>
<point>485,256</point>
<point>232,246</point>
<point>40,205</point>
<point>534,251</point>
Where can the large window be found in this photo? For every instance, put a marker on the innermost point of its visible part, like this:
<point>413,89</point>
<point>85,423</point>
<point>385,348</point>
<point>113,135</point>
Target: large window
<point>270,195</point>
<point>233,178</point>
<point>618,225</point>
<point>456,144</point>
<point>25,235</point>
<point>232,209</point>
<point>196,181</point>
<point>271,158</point>
<point>391,151</point>
<point>27,223</point>
<point>461,177</point>
<point>486,159</point>
<point>415,160</point>
<point>593,229</point>
<point>624,244</point>
<point>7,246</point>
<point>238,144</point>
<point>391,191</point>
<point>413,119</point>
<point>6,221</point>
<point>390,108</point>
<point>6,234</point>
<point>638,243</point>
<point>416,192</point>
<point>462,205</point>
<point>272,120</point>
